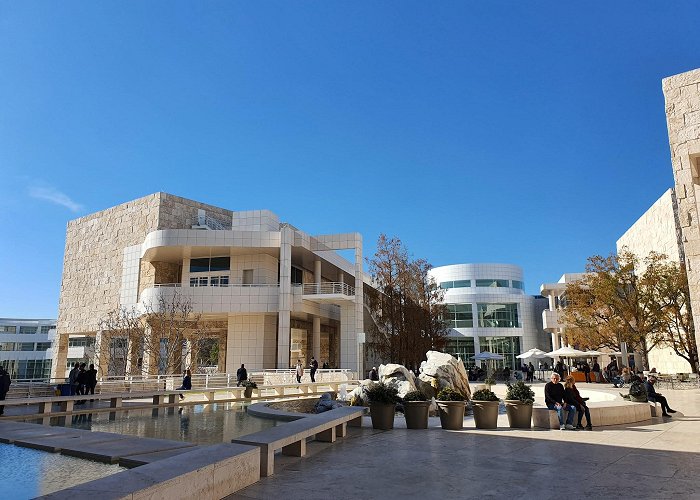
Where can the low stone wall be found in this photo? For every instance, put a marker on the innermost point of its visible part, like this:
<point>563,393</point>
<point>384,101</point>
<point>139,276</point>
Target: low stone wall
<point>280,378</point>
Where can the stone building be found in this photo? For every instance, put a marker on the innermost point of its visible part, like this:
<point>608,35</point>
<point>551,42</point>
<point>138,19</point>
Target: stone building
<point>267,292</point>
<point>682,95</point>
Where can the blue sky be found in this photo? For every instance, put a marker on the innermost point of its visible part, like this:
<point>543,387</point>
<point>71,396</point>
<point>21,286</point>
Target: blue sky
<point>531,133</point>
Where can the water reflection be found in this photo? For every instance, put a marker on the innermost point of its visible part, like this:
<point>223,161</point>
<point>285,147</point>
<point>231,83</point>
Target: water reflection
<point>201,424</point>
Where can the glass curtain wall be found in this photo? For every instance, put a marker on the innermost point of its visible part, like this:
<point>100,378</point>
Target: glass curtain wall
<point>461,348</point>
<point>508,347</point>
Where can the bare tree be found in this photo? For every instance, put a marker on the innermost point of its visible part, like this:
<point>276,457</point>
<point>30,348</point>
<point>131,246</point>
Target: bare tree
<point>120,341</point>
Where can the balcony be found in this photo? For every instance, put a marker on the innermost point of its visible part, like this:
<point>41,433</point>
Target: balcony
<point>328,292</point>
<point>550,320</point>
<point>253,298</point>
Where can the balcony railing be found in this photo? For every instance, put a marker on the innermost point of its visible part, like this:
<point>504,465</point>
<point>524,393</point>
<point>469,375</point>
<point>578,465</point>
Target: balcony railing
<point>328,288</point>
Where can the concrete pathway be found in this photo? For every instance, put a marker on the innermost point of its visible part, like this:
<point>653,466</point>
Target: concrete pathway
<point>657,460</point>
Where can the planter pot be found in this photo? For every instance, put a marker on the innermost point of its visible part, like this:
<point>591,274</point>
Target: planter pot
<point>248,392</point>
<point>416,413</point>
<point>451,414</point>
<point>519,414</point>
<point>382,415</point>
<point>485,414</point>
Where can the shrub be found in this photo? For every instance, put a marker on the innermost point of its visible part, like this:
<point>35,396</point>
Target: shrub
<point>415,396</point>
<point>484,395</point>
<point>521,392</point>
<point>490,380</point>
<point>449,394</point>
<point>382,393</point>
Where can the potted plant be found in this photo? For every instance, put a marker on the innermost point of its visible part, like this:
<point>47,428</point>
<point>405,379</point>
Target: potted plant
<point>382,405</point>
<point>415,409</point>
<point>485,408</point>
<point>489,382</point>
<point>451,405</point>
<point>249,385</point>
<point>519,400</point>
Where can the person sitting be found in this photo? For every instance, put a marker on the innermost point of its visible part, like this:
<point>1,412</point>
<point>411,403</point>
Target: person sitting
<point>573,397</point>
<point>186,383</point>
<point>656,397</point>
<point>554,395</point>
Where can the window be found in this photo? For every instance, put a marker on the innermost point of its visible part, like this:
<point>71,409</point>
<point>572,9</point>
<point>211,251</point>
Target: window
<point>297,276</point>
<point>7,346</point>
<point>8,329</point>
<point>210,264</point>
<point>460,315</point>
<point>446,285</point>
<point>201,281</point>
<point>27,329</point>
<point>45,329</point>
<point>518,284</point>
<point>81,342</point>
<point>508,347</point>
<point>461,348</point>
<point>492,283</point>
<point>498,315</point>
<point>25,346</point>
<point>247,276</point>
<point>43,346</point>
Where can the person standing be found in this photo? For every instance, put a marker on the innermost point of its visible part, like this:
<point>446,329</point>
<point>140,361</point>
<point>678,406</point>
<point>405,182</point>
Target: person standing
<point>587,371</point>
<point>300,371</point>
<point>73,379</point>
<point>554,395</point>
<point>81,380</point>
<point>530,372</point>
<point>5,382</point>
<point>596,371</point>
<point>314,366</point>
<point>91,380</point>
<point>241,375</point>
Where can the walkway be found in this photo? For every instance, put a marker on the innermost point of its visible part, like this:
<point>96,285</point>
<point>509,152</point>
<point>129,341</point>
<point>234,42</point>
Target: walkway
<point>658,460</point>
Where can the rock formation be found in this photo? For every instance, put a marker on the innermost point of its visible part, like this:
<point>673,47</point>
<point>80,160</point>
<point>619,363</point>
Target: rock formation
<point>443,370</point>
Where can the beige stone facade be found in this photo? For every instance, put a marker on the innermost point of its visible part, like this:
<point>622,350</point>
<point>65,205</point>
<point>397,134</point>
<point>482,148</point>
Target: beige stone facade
<point>682,94</point>
<point>140,252</point>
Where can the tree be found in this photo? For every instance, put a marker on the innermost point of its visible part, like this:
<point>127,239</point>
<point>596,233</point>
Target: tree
<point>672,296</point>
<point>120,340</point>
<point>406,305</point>
<point>612,304</point>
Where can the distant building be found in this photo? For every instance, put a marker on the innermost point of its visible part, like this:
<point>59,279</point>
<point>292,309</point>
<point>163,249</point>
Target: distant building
<point>267,292</point>
<point>490,311</point>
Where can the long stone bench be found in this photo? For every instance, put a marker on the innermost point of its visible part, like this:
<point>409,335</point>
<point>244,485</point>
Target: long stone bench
<point>291,437</point>
<point>602,413</point>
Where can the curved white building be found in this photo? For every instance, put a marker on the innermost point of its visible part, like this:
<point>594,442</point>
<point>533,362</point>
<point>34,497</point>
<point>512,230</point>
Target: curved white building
<point>490,311</point>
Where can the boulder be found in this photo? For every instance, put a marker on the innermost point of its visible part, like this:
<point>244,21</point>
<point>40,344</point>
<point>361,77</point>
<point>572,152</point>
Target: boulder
<point>326,402</point>
<point>399,376</point>
<point>443,370</point>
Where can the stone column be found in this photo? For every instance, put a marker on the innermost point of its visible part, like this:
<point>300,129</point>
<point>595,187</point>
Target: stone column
<point>60,356</point>
<point>285,297</point>
<point>317,338</point>
<point>102,353</point>
<point>221,365</point>
<point>317,272</point>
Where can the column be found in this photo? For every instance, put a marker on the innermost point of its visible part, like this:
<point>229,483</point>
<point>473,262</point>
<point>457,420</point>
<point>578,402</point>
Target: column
<point>102,351</point>
<point>285,297</point>
<point>151,352</point>
<point>317,272</point>
<point>221,365</point>
<point>317,339</point>
<point>60,357</point>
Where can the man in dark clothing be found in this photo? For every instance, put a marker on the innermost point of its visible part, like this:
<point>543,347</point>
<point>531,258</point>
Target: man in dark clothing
<point>554,395</point>
<point>596,371</point>
<point>241,375</point>
<point>73,379</point>
<point>314,366</point>
<point>373,374</point>
<point>81,381</point>
<point>587,371</point>
<point>90,380</point>
<point>4,386</point>
<point>656,397</point>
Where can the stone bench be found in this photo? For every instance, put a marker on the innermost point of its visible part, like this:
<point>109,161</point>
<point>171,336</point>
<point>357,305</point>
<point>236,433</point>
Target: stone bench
<point>602,413</point>
<point>291,437</point>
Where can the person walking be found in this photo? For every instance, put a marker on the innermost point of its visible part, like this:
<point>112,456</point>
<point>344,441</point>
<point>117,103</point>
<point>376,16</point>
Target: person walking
<point>81,381</point>
<point>314,366</point>
<point>530,372</point>
<point>587,371</point>
<point>5,382</point>
<point>241,375</point>
<point>73,379</point>
<point>554,395</point>
<point>91,381</point>
<point>299,372</point>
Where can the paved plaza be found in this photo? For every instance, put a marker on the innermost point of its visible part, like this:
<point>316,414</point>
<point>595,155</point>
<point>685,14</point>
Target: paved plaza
<point>657,460</point>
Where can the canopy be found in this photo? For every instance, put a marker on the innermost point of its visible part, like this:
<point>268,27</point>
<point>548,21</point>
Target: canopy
<point>486,355</point>
<point>532,353</point>
<point>593,353</point>
<point>566,352</point>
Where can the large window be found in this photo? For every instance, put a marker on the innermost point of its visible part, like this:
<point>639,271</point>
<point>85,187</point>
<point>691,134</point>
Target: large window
<point>498,315</point>
<point>210,264</point>
<point>28,329</point>
<point>297,276</point>
<point>446,285</point>
<point>43,346</point>
<point>7,346</point>
<point>81,341</point>
<point>461,348</point>
<point>8,329</point>
<point>518,284</point>
<point>45,329</point>
<point>508,347</point>
<point>460,315</point>
<point>492,283</point>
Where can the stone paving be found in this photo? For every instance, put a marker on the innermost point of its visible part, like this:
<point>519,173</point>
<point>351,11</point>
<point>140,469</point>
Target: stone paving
<point>658,459</point>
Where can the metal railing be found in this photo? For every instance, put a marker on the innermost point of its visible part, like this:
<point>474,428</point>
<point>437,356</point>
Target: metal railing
<point>328,288</point>
<point>220,285</point>
<point>208,222</point>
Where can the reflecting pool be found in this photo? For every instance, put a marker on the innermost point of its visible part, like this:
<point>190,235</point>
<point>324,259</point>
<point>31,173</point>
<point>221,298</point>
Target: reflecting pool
<point>28,473</point>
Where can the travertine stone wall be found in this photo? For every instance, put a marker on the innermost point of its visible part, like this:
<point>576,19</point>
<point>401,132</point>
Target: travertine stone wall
<point>92,264</point>
<point>682,94</point>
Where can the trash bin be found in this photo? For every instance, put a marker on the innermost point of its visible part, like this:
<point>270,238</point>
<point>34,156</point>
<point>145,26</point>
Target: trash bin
<point>65,389</point>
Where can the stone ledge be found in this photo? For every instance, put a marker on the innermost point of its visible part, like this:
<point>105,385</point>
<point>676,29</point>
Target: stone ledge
<point>602,414</point>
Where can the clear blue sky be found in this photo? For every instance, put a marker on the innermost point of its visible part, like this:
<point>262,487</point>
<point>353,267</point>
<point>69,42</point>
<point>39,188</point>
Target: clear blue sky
<point>530,133</point>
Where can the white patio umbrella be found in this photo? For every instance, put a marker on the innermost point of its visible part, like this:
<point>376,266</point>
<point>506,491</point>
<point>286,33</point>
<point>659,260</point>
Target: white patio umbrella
<point>532,353</point>
<point>566,352</point>
<point>486,356</point>
<point>593,353</point>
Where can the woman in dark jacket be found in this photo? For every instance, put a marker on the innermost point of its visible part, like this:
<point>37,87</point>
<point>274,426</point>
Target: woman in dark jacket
<point>573,397</point>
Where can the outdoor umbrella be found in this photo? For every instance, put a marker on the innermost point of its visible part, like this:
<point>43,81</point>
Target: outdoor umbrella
<point>532,353</point>
<point>566,352</point>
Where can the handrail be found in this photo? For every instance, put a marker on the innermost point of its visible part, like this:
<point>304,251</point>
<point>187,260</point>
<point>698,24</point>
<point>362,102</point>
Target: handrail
<point>328,288</point>
<point>223,285</point>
